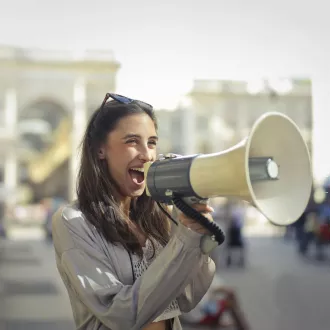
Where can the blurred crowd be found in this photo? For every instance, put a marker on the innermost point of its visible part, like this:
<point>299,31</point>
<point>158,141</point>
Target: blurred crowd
<point>312,230</point>
<point>36,215</point>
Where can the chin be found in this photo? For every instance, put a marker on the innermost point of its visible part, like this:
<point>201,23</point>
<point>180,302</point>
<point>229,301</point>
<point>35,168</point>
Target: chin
<point>136,193</point>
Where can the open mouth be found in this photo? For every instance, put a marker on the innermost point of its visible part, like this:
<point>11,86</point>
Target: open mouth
<point>137,175</point>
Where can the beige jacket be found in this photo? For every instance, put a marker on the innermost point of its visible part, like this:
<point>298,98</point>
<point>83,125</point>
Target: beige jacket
<point>99,279</point>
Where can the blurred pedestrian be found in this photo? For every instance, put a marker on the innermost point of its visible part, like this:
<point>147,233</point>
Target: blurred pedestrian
<point>219,304</point>
<point>234,239</point>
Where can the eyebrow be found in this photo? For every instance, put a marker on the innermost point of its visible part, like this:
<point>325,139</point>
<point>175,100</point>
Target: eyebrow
<point>130,136</point>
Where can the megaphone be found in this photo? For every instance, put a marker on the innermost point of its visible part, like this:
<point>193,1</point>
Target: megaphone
<point>270,169</point>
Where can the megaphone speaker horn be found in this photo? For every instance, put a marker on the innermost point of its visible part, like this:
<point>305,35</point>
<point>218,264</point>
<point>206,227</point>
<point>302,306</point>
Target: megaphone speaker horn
<point>282,201</point>
<point>270,169</point>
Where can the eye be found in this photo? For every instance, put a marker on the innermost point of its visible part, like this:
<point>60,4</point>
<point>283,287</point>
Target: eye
<point>131,141</point>
<point>154,142</point>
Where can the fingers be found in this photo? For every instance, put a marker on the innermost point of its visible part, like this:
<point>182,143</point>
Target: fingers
<point>193,224</point>
<point>202,208</point>
<point>205,210</point>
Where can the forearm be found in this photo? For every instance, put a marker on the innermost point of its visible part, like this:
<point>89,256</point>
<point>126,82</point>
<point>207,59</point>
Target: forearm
<point>199,283</point>
<point>170,273</point>
<point>120,306</point>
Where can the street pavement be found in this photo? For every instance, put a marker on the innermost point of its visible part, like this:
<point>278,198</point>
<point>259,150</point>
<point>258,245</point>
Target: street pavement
<point>278,289</point>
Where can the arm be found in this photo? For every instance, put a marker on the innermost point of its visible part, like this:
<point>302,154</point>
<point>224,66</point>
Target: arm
<point>200,280</point>
<point>93,277</point>
<point>199,283</point>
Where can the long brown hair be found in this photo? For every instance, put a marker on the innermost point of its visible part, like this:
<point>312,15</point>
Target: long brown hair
<point>96,189</point>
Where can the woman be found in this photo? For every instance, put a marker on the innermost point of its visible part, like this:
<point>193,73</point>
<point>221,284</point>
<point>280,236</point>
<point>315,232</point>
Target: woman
<point>123,265</point>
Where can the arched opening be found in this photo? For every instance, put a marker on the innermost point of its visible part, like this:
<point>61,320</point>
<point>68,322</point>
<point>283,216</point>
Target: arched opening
<point>38,121</point>
<point>37,124</point>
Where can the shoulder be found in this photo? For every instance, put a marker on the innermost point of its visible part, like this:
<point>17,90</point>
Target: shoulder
<point>71,229</point>
<point>67,212</point>
<point>68,216</point>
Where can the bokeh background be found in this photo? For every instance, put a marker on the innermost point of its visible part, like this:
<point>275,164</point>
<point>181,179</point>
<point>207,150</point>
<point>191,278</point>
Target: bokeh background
<point>210,68</point>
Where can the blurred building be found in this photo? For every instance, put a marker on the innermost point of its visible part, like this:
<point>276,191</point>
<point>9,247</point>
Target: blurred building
<point>45,100</point>
<point>217,114</point>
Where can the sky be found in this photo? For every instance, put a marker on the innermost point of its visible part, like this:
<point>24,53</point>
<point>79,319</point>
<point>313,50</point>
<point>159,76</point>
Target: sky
<point>164,45</point>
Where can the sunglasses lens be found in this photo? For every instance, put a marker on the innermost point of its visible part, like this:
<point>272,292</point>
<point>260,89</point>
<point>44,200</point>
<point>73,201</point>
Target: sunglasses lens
<point>121,99</point>
<point>143,103</point>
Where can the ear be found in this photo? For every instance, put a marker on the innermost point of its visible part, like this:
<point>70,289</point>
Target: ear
<point>101,153</point>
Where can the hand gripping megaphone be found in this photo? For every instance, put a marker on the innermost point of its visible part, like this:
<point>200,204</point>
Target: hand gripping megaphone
<point>270,169</point>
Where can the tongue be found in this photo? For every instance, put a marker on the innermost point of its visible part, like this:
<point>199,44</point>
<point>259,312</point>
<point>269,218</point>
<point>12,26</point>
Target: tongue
<point>136,176</point>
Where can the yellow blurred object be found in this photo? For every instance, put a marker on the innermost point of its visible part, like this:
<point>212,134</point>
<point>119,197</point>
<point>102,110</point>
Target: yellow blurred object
<point>41,167</point>
<point>24,194</point>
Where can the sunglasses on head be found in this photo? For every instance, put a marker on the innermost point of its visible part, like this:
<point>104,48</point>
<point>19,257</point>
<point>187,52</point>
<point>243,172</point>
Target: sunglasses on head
<point>121,99</point>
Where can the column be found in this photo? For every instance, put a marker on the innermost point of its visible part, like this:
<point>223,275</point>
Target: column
<point>320,131</point>
<point>188,136</point>
<point>11,157</point>
<point>214,128</point>
<point>79,121</point>
<point>217,133</point>
<point>244,114</point>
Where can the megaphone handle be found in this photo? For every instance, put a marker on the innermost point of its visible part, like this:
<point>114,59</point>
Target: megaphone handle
<point>192,213</point>
<point>195,200</point>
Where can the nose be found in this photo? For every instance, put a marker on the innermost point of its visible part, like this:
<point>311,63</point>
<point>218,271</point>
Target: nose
<point>146,154</point>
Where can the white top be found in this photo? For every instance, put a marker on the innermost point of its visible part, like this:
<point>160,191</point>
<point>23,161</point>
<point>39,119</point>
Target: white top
<point>141,265</point>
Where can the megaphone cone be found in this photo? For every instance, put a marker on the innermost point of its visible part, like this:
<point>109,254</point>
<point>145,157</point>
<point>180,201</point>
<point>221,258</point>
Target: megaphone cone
<point>231,174</point>
<point>270,169</point>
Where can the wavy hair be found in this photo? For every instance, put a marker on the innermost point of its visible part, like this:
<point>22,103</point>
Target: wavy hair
<point>96,189</point>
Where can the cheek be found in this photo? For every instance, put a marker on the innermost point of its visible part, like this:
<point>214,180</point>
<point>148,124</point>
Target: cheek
<point>154,154</point>
<point>119,159</point>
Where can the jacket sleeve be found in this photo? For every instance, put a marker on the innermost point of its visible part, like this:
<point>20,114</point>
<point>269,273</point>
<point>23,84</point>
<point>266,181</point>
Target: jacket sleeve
<point>199,283</point>
<point>92,275</point>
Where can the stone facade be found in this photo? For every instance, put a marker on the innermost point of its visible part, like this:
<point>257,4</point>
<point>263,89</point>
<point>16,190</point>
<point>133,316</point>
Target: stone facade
<point>38,91</point>
<point>221,113</point>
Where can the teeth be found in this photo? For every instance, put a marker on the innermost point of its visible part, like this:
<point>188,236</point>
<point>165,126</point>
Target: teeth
<point>138,169</point>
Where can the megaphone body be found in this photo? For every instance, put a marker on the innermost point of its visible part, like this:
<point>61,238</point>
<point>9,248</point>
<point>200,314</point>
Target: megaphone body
<point>270,169</point>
